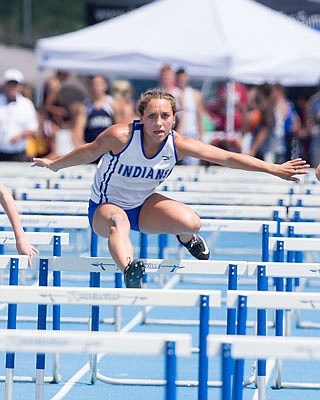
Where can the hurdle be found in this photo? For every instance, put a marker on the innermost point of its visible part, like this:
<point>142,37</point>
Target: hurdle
<point>226,198</point>
<point>289,271</point>
<point>170,346</point>
<point>69,183</point>
<point>264,300</point>
<point>296,246</point>
<point>27,182</point>
<point>239,212</point>
<point>234,348</point>
<point>52,207</point>
<point>14,169</point>
<point>54,222</point>
<point>23,193</point>
<point>236,187</point>
<point>52,239</point>
<point>304,213</point>
<point>204,300</point>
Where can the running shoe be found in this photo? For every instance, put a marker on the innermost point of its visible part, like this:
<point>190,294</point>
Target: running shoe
<point>197,247</point>
<point>133,274</point>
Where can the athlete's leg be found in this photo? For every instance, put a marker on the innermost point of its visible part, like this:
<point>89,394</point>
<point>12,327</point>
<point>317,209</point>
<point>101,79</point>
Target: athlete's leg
<point>162,215</point>
<point>111,222</point>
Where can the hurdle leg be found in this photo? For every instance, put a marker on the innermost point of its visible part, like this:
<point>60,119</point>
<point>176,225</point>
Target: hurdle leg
<point>262,284</point>
<point>42,316</point>
<point>171,371</point>
<point>239,363</point>
<point>56,310</point>
<point>231,312</point>
<point>203,358</point>
<point>94,282</point>
<point>11,324</point>
<point>226,366</point>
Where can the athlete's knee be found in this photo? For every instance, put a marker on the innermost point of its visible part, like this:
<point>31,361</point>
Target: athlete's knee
<point>119,221</point>
<point>192,221</point>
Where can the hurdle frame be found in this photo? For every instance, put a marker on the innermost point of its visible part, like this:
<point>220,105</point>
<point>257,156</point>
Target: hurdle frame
<point>203,299</point>
<point>265,300</point>
<point>233,348</point>
<point>170,345</point>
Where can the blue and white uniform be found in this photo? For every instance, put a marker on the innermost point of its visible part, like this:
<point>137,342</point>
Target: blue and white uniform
<point>98,119</point>
<point>128,178</point>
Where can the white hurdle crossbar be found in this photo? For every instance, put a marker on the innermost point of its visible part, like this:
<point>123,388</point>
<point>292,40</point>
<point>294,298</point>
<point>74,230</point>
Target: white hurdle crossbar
<point>49,221</point>
<point>53,194</point>
<point>204,299</point>
<point>57,222</point>
<point>169,345</point>
<point>231,347</point>
<point>264,300</point>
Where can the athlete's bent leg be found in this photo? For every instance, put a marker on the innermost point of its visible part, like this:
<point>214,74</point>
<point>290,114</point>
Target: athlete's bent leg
<point>112,222</point>
<point>160,214</point>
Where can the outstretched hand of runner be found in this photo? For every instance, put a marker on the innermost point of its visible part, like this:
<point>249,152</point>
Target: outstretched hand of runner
<point>289,169</point>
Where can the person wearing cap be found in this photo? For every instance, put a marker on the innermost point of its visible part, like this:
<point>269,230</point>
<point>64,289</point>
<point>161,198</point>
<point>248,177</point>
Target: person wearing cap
<point>18,118</point>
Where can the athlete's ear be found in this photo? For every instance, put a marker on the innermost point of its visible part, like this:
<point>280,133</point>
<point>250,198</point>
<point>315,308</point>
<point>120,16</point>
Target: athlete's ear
<point>174,124</point>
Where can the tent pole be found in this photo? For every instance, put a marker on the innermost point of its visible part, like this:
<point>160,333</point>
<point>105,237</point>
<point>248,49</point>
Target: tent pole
<point>230,105</point>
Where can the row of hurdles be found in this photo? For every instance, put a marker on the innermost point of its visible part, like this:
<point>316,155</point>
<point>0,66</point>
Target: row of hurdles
<point>293,254</point>
<point>231,210</point>
<point>238,302</point>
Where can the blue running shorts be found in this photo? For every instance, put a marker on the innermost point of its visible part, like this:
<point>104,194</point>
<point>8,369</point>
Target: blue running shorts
<point>133,215</point>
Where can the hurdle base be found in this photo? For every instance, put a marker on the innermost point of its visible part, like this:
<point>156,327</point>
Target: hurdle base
<point>9,383</point>
<point>182,322</point>
<point>307,324</point>
<point>151,382</point>
<point>28,379</point>
<point>262,387</point>
<point>298,385</point>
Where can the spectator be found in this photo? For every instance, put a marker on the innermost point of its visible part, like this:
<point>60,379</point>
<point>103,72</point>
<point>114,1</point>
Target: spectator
<point>8,204</point>
<point>18,119</point>
<point>261,144</point>
<point>313,126</point>
<point>53,103</point>
<point>167,79</point>
<point>279,126</point>
<point>191,116</point>
<point>57,115</point>
<point>124,105</point>
<point>287,120</point>
<point>217,109</point>
<point>96,113</point>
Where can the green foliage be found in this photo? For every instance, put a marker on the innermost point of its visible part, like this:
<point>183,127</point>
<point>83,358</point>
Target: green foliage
<point>48,18</point>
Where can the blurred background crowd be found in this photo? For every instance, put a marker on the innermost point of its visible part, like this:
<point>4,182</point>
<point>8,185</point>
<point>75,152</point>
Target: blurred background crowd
<point>266,122</point>
<point>269,121</point>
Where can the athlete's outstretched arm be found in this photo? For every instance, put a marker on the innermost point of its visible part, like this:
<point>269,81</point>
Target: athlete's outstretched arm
<point>108,140</point>
<point>203,151</point>
<point>82,155</point>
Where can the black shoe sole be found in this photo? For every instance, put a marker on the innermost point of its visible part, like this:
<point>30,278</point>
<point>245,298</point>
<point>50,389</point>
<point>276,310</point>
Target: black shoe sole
<point>133,274</point>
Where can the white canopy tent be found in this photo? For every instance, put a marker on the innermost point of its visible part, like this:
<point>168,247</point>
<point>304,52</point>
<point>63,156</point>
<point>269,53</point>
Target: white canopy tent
<point>229,39</point>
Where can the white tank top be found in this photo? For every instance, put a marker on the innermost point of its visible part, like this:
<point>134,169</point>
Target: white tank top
<point>129,177</point>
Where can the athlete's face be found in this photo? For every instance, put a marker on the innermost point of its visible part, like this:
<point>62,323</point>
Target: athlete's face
<point>157,119</point>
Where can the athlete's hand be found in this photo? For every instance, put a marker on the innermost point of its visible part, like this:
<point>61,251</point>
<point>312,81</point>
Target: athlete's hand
<point>24,247</point>
<point>44,162</point>
<point>291,168</point>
